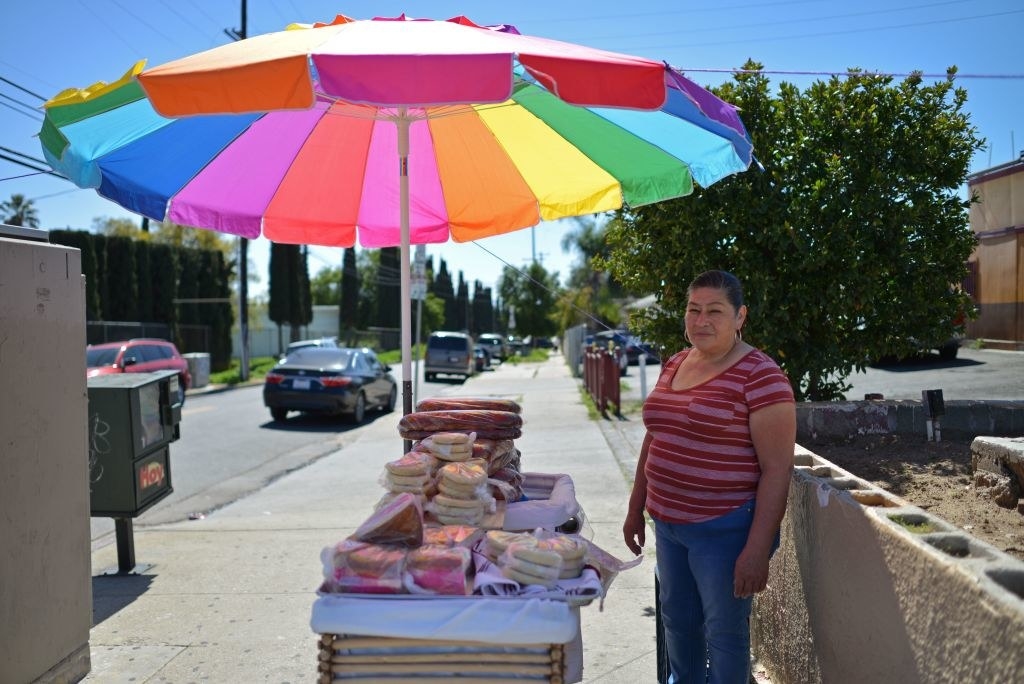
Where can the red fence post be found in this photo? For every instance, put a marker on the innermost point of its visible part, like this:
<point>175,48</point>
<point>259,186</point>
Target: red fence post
<point>614,386</point>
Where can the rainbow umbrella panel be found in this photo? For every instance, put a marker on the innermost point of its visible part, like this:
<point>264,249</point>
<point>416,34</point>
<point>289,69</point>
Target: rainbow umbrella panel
<point>296,135</point>
<point>392,132</point>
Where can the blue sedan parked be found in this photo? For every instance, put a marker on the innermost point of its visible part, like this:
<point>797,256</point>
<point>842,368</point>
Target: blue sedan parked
<point>330,381</point>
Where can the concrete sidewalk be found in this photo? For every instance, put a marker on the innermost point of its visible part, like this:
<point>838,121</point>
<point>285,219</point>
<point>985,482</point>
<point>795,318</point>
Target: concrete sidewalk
<point>228,598</point>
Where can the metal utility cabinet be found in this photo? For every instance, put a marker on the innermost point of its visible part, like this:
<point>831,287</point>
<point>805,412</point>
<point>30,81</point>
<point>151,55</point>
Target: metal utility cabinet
<point>133,417</point>
<point>45,572</point>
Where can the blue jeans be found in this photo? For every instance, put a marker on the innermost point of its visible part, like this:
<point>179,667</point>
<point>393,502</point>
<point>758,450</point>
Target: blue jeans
<point>707,629</point>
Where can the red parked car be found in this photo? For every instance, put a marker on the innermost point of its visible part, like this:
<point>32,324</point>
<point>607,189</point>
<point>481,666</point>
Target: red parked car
<point>137,356</point>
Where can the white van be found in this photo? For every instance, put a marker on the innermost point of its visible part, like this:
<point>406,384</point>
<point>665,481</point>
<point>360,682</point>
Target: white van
<point>449,353</point>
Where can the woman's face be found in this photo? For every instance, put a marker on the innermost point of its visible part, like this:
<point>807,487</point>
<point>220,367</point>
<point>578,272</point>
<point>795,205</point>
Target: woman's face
<point>711,320</point>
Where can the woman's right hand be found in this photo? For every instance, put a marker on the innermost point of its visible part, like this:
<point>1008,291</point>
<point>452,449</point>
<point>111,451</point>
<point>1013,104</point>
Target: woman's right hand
<point>634,531</point>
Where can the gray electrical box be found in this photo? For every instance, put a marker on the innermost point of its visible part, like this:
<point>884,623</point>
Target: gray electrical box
<point>133,417</point>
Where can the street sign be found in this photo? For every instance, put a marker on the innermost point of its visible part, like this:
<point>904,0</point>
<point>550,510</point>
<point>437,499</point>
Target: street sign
<point>419,263</point>
<point>418,286</point>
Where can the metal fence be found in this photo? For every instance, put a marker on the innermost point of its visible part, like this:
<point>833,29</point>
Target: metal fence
<point>601,379</point>
<point>192,338</point>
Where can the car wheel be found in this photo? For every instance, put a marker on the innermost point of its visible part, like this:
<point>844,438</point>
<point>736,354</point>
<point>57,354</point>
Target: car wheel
<point>948,351</point>
<point>392,400</point>
<point>181,390</point>
<point>279,414</point>
<point>359,412</point>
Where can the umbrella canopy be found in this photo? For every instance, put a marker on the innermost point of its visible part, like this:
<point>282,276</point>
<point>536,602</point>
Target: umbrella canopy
<point>392,132</point>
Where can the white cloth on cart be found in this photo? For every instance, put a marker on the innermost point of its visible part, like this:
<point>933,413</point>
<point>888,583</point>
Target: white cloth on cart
<point>490,620</point>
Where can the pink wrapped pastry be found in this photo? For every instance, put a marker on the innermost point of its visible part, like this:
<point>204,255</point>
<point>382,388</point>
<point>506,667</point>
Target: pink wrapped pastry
<point>439,570</point>
<point>361,568</point>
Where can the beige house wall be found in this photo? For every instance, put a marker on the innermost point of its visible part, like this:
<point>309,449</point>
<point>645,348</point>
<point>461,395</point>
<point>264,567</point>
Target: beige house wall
<point>997,218</point>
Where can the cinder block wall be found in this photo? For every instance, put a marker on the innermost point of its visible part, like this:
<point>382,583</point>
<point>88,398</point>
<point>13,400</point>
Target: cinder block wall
<point>867,588</point>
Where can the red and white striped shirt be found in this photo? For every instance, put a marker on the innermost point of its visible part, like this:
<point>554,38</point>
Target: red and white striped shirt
<point>701,463</point>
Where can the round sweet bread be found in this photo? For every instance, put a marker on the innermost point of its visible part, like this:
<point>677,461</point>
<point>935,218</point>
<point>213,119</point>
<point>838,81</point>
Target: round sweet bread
<point>452,438</point>
<point>411,488</point>
<point>524,577</point>
<point>566,547</point>
<point>452,502</point>
<point>458,516</point>
<point>452,456</point>
<point>410,480</point>
<point>456,490</point>
<point>571,571</point>
<point>498,540</point>
<point>531,553</point>
<point>464,474</point>
<point>413,463</point>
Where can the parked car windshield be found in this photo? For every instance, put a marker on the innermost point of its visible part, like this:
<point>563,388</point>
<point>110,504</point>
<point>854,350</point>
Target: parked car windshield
<point>448,343</point>
<point>104,356</point>
<point>320,357</point>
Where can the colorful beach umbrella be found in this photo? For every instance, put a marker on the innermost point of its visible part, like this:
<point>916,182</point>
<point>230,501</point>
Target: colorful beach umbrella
<point>392,132</point>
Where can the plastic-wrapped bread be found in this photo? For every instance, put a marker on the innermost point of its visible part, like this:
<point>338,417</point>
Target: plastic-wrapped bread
<point>573,551</point>
<point>451,535</point>
<point>439,570</point>
<point>527,563</point>
<point>399,521</point>
<point>487,424</point>
<point>458,403</point>
<point>462,480</point>
<point>448,446</point>
<point>497,452</point>
<point>450,510</point>
<point>413,473</point>
<point>356,567</point>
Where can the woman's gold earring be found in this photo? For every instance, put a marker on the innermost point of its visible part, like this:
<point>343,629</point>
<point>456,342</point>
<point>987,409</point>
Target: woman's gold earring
<point>686,337</point>
<point>739,334</point>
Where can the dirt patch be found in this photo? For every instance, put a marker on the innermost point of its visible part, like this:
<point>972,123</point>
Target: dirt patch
<point>933,476</point>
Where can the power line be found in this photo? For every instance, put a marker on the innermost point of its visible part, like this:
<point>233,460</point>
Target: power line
<point>14,160</point>
<point>20,111</point>
<point>23,89</point>
<point>847,73</point>
<point>762,39</point>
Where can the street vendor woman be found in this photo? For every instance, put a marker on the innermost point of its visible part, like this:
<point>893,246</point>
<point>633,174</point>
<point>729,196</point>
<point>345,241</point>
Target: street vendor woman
<point>713,474</point>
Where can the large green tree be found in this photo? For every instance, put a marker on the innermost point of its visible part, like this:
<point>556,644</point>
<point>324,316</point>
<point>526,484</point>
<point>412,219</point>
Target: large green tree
<point>533,293</point>
<point>592,295</point>
<point>325,286</point>
<point>851,239</point>
<point>348,311</point>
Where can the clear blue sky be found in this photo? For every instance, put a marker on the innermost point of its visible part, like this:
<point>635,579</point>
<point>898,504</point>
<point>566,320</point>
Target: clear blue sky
<point>49,45</point>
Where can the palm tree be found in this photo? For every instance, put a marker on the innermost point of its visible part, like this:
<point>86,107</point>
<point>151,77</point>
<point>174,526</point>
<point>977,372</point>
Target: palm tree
<point>19,211</point>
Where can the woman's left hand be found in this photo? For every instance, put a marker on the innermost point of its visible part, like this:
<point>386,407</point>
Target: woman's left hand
<point>751,573</point>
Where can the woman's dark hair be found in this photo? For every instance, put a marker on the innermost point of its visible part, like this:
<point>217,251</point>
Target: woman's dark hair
<point>720,280</point>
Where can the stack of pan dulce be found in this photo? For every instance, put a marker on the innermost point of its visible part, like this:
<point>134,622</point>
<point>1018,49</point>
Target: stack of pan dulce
<point>529,559</point>
<point>449,431</point>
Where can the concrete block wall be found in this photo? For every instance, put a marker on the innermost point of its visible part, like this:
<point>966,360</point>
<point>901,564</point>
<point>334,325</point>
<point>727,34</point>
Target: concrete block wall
<point>824,420</point>
<point>868,588</point>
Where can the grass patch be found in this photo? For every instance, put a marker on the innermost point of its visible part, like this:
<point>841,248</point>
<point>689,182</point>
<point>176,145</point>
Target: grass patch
<point>585,399</point>
<point>393,357</point>
<point>535,356</point>
<point>915,526</point>
<point>258,367</point>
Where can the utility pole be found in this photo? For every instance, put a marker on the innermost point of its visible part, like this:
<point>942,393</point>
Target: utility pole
<point>243,253</point>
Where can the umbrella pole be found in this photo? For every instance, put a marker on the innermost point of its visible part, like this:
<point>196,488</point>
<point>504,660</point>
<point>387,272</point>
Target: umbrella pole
<point>405,290</point>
